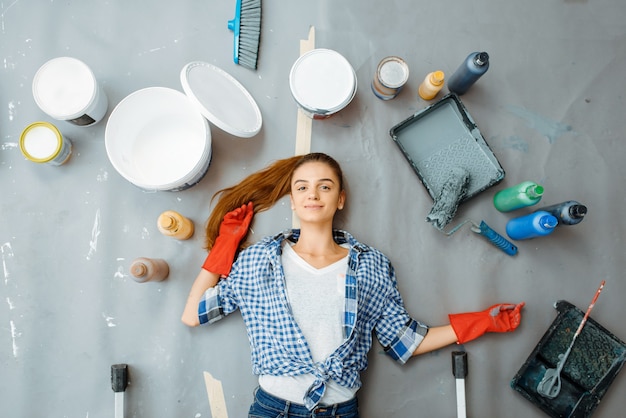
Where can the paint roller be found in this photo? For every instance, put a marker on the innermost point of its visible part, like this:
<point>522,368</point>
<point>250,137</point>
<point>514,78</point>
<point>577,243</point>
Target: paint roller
<point>447,202</point>
<point>449,198</point>
<point>119,381</point>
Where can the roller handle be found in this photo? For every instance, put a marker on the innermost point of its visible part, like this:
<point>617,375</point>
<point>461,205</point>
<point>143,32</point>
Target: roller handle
<point>119,377</point>
<point>496,239</point>
<point>459,364</point>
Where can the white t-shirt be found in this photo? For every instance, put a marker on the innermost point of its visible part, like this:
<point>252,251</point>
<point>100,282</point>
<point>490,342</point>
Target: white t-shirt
<point>317,298</point>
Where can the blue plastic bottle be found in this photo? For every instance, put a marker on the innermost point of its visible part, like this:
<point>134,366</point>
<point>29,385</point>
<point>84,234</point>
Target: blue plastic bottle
<point>568,213</point>
<point>533,225</point>
<point>526,193</point>
<point>475,65</point>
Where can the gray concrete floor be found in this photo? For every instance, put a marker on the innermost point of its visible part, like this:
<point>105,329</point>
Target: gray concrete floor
<point>551,107</point>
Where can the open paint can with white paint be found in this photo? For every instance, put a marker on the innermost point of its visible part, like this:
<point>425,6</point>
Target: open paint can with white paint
<point>42,142</point>
<point>322,83</point>
<point>66,89</point>
<point>391,75</point>
<point>159,138</point>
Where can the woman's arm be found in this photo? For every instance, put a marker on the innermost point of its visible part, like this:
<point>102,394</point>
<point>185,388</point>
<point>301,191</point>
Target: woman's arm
<point>204,281</point>
<point>436,338</point>
<point>464,327</point>
<point>220,259</point>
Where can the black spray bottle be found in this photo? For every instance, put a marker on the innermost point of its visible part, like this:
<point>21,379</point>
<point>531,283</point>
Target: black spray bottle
<point>567,213</point>
<point>475,65</point>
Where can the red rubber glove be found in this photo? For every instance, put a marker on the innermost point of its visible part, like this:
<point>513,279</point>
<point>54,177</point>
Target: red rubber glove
<point>503,317</point>
<point>232,229</point>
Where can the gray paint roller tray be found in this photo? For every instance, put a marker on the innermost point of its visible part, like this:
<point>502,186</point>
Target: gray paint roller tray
<point>594,362</point>
<point>442,138</point>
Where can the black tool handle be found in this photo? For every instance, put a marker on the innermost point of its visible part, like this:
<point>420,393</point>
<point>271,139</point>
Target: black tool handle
<point>119,377</point>
<point>459,364</point>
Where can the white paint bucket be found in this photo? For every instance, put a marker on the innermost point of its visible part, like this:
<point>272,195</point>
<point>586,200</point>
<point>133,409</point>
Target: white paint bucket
<point>42,142</point>
<point>322,83</point>
<point>66,89</point>
<point>392,74</point>
<point>158,140</point>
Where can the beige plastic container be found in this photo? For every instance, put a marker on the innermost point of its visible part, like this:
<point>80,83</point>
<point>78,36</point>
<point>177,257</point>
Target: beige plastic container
<point>173,224</point>
<point>42,142</point>
<point>144,269</point>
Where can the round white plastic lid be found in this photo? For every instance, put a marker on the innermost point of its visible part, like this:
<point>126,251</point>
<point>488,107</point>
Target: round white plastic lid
<point>64,87</point>
<point>221,99</point>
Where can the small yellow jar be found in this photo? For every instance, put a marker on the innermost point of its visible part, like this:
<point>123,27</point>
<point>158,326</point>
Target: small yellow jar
<point>42,142</point>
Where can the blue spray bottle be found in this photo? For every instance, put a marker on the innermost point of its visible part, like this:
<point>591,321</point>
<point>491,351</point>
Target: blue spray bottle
<point>568,213</point>
<point>533,225</point>
<point>475,65</point>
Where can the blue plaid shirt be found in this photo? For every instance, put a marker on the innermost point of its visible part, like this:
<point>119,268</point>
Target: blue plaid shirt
<point>256,286</point>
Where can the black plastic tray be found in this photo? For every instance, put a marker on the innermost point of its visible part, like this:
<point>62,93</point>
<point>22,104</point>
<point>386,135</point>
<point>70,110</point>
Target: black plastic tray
<point>441,137</point>
<point>595,360</point>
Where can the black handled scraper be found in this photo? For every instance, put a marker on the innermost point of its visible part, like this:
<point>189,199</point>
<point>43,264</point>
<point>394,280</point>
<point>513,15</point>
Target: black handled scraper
<point>119,381</point>
<point>459,370</point>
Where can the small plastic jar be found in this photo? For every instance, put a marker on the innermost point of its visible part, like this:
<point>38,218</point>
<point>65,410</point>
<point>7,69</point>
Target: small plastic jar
<point>42,142</point>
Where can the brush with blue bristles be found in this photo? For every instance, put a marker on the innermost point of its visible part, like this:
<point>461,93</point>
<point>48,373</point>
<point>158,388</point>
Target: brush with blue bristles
<point>247,29</point>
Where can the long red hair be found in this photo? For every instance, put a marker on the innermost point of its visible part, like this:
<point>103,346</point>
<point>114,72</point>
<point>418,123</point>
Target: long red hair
<point>263,188</point>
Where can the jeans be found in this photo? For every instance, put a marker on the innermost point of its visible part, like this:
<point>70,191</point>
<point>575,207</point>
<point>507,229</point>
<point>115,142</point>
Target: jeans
<point>269,406</point>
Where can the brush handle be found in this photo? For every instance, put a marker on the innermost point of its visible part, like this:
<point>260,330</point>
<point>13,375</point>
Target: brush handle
<point>591,305</point>
<point>497,239</point>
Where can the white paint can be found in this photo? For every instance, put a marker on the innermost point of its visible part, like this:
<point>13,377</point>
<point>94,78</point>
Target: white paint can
<point>159,138</point>
<point>156,139</point>
<point>42,142</point>
<point>66,89</point>
<point>392,74</point>
<point>322,83</point>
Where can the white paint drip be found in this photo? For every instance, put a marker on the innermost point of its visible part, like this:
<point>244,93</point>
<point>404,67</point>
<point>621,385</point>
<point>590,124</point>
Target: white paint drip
<point>11,111</point>
<point>145,234</point>
<point>10,303</point>
<point>95,232</point>
<point>109,320</point>
<point>152,50</point>
<point>119,274</point>
<point>14,336</point>
<point>103,176</point>
<point>4,12</point>
<point>9,145</point>
<point>7,252</point>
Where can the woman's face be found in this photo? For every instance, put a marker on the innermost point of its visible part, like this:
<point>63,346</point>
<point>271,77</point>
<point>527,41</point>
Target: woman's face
<point>316,193</point>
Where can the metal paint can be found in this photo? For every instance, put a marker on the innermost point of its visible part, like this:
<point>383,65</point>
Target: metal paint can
<point>42,142</point>
<point>66,89</point>
<point>322,83</point>
<point>391,75</point>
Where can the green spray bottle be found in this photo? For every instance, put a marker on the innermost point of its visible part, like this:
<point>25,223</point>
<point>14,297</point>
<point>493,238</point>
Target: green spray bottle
<point>527,193</point>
